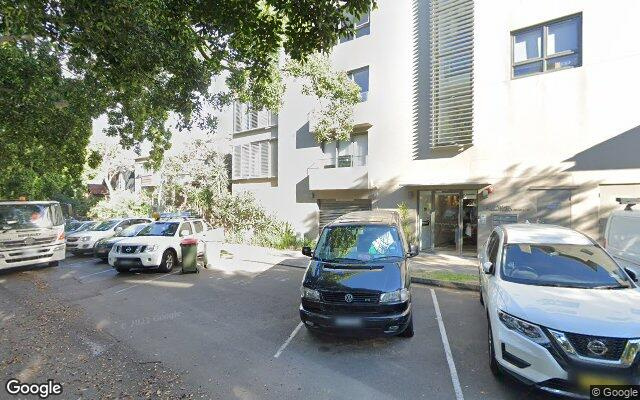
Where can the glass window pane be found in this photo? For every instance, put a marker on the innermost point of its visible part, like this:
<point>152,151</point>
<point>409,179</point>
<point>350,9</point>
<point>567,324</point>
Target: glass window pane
<point>563,36</point>
<point>527,45</point>
<point>527,69</point>
<point>570,61</point>
<point>361,78</point>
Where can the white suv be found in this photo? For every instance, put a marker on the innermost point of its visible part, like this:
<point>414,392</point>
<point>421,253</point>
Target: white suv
<point>83,242</point>
<point>562,315</point>
<point>157,246</point>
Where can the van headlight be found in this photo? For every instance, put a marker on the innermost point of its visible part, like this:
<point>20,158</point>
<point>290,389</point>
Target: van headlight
<point>530,331</point>
<point>310,294</point>
<point>397,296</point>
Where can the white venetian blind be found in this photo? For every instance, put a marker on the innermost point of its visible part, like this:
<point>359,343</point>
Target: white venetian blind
<point>254,160</point>
<point>245,118</point>
<point>451,73</point>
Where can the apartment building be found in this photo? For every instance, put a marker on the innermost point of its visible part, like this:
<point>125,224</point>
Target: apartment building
<point>473,113</point>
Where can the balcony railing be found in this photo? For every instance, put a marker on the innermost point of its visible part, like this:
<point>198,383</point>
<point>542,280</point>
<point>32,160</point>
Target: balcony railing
<point>346,161</point>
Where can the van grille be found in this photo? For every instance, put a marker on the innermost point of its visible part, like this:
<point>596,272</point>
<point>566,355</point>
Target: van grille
<point>358,297</point>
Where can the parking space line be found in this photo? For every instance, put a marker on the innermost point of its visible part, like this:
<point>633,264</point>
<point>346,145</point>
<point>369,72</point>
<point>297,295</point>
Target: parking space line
<point>447,349</point>
<point>286,343</point>
<point>147,281</point>
<point>95,273</point>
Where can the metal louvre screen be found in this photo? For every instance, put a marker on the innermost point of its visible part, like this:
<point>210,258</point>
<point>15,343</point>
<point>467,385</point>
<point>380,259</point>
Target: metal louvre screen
<point>451,39</point>
<point>329,210</point>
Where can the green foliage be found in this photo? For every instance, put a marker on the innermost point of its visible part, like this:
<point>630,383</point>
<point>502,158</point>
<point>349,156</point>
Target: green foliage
<point>64,62</point>
<point>121,204</point>
<point>405,221</point>
<point>336,96</point>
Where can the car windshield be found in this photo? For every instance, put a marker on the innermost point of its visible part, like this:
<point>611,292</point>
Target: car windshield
<point>563,265</point>
<point>160,229</point>
<point>131,230</point>
<point>358,243</point>
<point>106,225</point>
<point>25,216</point>
<point>72,226</point>
<point>87,226</point>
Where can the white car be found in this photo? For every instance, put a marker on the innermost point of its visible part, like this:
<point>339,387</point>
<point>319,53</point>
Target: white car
<point>157,246</point>
<point>562,315</point>
<point>82,242</point>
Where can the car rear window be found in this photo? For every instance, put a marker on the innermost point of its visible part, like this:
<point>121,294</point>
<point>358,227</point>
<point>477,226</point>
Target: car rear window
<point>564,265</point>
<point>624,234</point>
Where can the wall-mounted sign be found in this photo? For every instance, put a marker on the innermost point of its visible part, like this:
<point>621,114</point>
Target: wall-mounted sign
<point>503,219</point>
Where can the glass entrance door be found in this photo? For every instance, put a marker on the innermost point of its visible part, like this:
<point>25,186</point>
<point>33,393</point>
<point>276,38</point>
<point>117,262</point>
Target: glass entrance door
<point>447,220</point>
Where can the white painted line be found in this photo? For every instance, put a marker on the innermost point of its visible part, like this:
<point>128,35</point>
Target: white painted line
<point>96,273</point>
<point>286,343</point>
<point>143,282</point>
<point>447,350</point>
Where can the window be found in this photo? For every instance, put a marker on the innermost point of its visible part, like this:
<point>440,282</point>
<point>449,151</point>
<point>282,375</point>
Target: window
<point>494,244</point>
<point>547,47</point>
<point>359,243</point>
<point>185,227</point>
<point>246,118</point>
<point>347,154</point>
<point>198,226</point>
<point>562,265</point>
<point>255,160</point>
<point>361,27</point>
<point>361,77</point>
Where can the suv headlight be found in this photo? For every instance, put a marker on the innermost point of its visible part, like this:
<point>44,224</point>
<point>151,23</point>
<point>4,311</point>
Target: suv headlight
<point>151,248</point>
<point>530,331</point>
<point>86,238</point>
<point>397,296</point>
<point>310,294</point>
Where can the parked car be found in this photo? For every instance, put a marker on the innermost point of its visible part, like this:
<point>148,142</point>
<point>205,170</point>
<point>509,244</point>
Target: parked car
<point>562,315</point>
<point>622,235</point>
<point>157,246</point>
<point>71,225</point>
<point>103,246</point>
<point>358,278</point>
<point>82,242</point>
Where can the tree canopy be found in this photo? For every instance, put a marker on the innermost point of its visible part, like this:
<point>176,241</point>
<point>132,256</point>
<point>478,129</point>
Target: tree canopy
<point>65,62</point>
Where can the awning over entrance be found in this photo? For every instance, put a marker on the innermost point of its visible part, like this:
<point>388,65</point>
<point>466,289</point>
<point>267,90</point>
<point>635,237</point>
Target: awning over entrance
<point>445,186</point>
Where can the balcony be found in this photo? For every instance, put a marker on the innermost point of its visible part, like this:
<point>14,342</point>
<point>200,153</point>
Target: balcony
<point>342,173</point>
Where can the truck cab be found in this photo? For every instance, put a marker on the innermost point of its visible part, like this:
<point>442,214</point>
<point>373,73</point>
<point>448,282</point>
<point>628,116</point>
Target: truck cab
<point>31,232</point>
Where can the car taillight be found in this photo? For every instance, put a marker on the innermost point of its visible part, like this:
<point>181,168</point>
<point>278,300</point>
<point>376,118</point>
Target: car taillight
<point>61,236</point>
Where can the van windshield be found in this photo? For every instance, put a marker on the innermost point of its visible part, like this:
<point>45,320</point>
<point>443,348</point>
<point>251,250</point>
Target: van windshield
<point>358,243</point>
<point>28,216</point>
<point>562,265</point>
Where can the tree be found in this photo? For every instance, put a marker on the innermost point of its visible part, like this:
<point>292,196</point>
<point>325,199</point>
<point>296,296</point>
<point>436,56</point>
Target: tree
<point>120,204</point>
<point>65,62</point>
<point>336,95</point>
<point>113,161</point>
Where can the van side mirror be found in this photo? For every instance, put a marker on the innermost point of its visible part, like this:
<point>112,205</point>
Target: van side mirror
<point>487,267</point>
<point>413,250</point>
<point>306,251</point>
<point>632,274</point>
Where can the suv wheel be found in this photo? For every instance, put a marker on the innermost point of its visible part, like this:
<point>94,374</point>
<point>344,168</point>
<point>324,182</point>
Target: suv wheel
<point>168,261</point>
<point>408,331</point>
<point>493,363</point>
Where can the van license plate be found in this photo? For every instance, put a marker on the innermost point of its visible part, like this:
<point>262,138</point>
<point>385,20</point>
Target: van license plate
<point>348,322</point>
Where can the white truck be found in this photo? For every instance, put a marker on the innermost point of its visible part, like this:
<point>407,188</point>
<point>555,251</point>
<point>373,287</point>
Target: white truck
<point>31,232</point>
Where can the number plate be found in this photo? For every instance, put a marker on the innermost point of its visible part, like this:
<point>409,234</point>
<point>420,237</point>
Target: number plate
<point>585,381</point>
<point>348,322</point>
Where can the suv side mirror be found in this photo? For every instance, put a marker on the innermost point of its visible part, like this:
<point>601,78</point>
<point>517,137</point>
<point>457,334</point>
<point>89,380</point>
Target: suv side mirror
<point>306,251</point>
<point>413,250</point>
<point>487,267</point>
<point>632,274</point>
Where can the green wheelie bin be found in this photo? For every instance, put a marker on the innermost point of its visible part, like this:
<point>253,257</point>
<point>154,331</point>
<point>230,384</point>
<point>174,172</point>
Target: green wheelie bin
<point>189,248</point>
